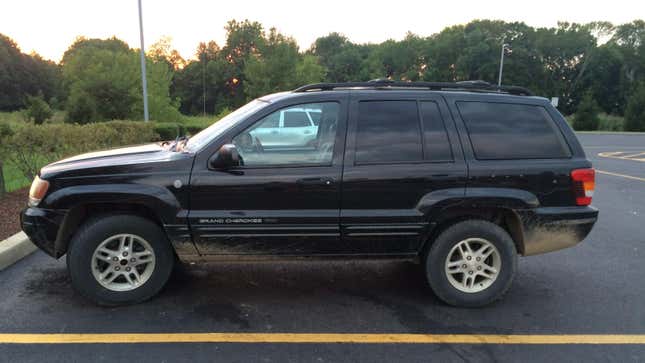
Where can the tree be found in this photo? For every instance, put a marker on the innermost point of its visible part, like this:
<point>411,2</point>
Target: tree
<point>635,111</point>
<point>586,117</point>
<point>37,110</point>
<point>603,76</point>
<point>22,74</point>
<point>342,58</point>
<point>104,82</point>
<point>162,51</point>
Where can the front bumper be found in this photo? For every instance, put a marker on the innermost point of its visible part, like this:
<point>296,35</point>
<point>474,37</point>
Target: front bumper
<point>42,227</point>
<point>553,228</point>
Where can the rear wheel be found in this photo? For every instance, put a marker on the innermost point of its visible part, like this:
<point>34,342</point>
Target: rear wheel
<point>471,263</point>
<point>120,259</point>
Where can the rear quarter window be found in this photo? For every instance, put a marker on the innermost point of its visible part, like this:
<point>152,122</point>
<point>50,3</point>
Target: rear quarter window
<point>512,131</point>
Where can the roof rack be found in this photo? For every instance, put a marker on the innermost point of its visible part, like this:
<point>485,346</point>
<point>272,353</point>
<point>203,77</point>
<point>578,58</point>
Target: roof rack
<point>472,86</point>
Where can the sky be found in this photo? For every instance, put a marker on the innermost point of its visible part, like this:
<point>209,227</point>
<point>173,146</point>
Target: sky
<point>49,27</point>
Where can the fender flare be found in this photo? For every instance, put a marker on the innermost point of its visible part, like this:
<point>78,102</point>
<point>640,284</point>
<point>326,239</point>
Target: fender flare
<point>443,205</point>
<point>160,202</point>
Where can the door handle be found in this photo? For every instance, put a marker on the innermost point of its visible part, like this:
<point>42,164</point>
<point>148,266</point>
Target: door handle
<point>315,181</point>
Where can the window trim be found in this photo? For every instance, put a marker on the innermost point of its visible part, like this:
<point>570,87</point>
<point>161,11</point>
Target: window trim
<point>553,125</point>
<point>445,130</point>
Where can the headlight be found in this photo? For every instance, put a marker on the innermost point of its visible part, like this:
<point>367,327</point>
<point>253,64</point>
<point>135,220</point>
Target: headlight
<point>37,191</point>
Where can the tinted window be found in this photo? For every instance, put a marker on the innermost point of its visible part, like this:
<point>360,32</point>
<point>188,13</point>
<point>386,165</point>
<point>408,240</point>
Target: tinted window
<point>388,131</point>
<point>512,131</point>
<point>296,119</point>
<point>435,138</point>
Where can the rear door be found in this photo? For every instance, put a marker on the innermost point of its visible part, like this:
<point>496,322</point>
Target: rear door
<point>400,147</point>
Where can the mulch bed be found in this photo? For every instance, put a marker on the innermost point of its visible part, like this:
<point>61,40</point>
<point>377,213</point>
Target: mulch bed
<point>10,206</point>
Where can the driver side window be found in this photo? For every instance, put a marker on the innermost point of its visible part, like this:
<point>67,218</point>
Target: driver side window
<point>290,136</point>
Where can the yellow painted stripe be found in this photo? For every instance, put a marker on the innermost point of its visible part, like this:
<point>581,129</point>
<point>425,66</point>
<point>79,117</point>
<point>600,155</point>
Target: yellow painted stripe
<point>320,338</point>
<point>630,156</point>
<point>620,175</point>
<point>623,155</point>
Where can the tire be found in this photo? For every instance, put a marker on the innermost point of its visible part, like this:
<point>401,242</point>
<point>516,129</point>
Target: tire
<point>108,231</point>
<point>448,282</point>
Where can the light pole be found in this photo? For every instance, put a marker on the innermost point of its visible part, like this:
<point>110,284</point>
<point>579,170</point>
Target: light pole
<point>501,64</point>
<point>143,68</point>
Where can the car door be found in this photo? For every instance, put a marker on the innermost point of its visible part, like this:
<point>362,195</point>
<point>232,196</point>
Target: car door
<point>282,201</point>
<point>401,146</point>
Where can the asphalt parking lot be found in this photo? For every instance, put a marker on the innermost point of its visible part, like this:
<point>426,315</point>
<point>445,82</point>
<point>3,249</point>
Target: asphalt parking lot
<point>595,289</point>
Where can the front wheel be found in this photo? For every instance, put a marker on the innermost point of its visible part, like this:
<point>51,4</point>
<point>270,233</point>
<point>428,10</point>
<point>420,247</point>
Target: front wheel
<point>119,259</point>
<point>471,263</point>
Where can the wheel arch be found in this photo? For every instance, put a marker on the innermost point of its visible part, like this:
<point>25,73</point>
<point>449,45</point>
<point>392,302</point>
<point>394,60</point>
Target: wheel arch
<point>497,205</point>
<point>83,203</point>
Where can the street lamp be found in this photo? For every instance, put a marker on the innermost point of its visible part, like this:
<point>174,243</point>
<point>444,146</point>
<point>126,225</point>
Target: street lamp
<point>501,64</point>
<point>143,68</point>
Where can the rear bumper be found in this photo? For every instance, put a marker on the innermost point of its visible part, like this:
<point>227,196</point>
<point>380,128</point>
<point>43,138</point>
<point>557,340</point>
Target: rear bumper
<point>42,226</point>
<point>554,228</point>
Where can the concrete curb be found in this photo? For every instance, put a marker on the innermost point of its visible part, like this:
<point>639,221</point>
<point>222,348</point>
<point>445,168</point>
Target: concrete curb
<point>634,133</point>
<point>14,248</point>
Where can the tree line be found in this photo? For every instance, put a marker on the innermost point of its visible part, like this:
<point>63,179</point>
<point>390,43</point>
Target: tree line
<point>99,79</point>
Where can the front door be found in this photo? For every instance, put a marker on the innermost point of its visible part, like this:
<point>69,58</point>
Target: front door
<point>284,199</point>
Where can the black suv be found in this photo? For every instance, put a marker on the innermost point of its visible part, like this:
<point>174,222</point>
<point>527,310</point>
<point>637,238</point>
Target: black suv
<point>461,177</point>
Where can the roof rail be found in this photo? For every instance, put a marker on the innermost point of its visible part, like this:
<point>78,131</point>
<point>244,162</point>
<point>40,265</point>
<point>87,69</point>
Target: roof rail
<point>473,86</point>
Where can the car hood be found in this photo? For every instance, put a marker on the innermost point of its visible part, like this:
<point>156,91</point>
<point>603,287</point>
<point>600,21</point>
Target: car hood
<point>111,159</point>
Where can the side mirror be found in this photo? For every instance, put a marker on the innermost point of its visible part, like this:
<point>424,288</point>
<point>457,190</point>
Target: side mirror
<point>225,158</point>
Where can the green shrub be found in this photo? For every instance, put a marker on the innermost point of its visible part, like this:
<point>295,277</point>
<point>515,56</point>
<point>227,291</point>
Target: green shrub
<point>635,111</point>
<point>32,146</point>
<point>169,130</point>
<point>586,117</point>
<point>80,109</point>
<point>38,110</point>
<point>5,132</point>
<point>611,123</point>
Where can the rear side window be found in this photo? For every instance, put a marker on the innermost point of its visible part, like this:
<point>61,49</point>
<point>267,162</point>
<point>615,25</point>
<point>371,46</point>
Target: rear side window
<point>388,131</point>
<point>435,138</point>
<point>512,131</point>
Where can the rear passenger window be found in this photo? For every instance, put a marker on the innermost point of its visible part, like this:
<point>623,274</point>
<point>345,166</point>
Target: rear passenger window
<point>435,138</point>
<point>388,131</point>
<point>512,131</point>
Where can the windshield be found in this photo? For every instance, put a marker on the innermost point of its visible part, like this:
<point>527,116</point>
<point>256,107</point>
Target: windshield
<point>202,138</point>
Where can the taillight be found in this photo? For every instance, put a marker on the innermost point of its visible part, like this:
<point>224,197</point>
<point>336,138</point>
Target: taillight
<point>584,182</point>
<point>38,190</point>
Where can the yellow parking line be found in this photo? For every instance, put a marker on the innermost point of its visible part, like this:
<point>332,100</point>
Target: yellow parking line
<point>633,155</point>
<point>623,155</point>
<point>321,338</point>
<point>620,175</point>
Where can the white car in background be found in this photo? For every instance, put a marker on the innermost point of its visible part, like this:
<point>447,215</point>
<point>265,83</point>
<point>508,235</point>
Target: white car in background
<point>293,127</point>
